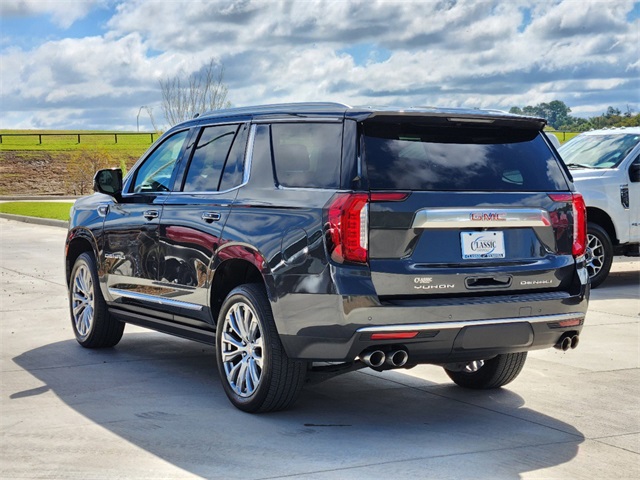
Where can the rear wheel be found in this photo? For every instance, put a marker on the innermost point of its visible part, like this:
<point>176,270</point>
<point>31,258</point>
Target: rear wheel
<point>599,253</point>
<point>90,319</point>
<point>493,373</point>
<point>256,374</point>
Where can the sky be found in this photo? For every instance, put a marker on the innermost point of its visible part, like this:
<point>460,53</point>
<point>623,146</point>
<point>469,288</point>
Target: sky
<point>91,64</point>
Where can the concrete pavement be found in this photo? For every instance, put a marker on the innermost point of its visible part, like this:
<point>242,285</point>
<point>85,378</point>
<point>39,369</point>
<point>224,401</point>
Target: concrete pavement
<point>153,408</point>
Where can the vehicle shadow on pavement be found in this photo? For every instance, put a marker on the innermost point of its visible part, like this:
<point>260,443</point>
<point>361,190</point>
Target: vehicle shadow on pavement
<point>162,394</point>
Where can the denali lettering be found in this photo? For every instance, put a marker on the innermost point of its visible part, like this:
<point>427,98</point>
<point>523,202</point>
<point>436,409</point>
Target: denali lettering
<point>536,282</point>
<point>422,280</point>
<point>478,216</point>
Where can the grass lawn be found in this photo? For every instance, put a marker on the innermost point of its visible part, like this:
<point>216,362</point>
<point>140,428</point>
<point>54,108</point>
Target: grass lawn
<point>55,210</point>
<point>60,140</point>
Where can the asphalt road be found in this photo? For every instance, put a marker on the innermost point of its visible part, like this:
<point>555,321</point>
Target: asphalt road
<point>153,407</point>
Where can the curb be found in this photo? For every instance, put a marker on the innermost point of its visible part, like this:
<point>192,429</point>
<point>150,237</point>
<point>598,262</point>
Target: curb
<point>36,220</point>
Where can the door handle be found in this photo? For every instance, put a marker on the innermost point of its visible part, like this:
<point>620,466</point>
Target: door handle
<point>210,217</point>
<point>150,214</point>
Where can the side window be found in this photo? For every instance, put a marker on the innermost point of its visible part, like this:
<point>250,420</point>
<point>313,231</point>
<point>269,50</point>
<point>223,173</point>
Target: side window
<point>209,158</point>
<point>307,154</point>
<point>234,168</point>
<point>154,175</point>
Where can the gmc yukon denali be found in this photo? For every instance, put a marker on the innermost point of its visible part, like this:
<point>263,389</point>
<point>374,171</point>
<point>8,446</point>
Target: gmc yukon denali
<point>309,240</point>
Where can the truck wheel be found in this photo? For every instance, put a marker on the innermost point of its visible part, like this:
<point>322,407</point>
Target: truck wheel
<point>92,324</point>
<point>493,373</point>
<point>599,253</point>
<point>256,374</point>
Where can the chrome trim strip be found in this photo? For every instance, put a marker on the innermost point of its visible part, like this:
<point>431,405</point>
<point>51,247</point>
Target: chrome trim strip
<point>470,323</point>
<point>248,156</point>
<point>481,218</point>
<point>116,292</point>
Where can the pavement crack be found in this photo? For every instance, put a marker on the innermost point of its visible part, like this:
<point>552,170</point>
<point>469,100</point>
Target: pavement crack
<point>33,276</point>
<point>415,459</point>
<point>479,406</point>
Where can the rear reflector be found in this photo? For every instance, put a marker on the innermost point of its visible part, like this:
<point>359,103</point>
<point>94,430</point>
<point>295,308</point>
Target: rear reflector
<point>388,196</point>
<point>571,322</point>
<point>393,335</point>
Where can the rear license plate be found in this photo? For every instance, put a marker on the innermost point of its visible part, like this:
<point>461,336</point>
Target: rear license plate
<point>482,245</point>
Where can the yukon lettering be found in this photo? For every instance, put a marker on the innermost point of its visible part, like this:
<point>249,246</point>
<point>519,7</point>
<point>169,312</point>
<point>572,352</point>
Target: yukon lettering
<point>434,287</point>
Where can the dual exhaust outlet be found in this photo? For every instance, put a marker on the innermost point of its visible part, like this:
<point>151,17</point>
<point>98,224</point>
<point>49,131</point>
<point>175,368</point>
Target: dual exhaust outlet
<point>567,342</point>
<point>378,358</point>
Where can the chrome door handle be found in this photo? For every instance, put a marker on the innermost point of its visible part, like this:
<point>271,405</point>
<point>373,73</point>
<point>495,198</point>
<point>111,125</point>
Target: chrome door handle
<point>210,217</point>
<point>150,214</point>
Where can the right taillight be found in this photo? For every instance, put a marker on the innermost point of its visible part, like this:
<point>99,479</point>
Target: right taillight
<point>579,220</point>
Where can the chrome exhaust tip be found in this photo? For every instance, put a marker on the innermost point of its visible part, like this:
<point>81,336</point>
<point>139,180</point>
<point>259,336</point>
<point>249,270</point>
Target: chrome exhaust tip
<point>575,340</point>
<point>564,344</point>
<point>373,359</point>
<point>398,358</point>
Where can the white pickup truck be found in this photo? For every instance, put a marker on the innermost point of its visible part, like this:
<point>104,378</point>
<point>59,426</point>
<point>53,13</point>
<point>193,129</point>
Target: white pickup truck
<point>605,165</point>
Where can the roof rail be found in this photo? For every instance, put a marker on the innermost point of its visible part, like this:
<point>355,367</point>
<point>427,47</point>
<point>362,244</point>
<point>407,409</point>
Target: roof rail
<point>275,107</point>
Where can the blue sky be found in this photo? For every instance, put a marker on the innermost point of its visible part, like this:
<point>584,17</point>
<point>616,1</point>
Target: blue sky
<point>92,63</point>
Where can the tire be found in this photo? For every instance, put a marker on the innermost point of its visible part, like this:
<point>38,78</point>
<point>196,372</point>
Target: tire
<point>495,373</point>
<point>92,324</point>
<point>599,253</point>
<point>256,374</point>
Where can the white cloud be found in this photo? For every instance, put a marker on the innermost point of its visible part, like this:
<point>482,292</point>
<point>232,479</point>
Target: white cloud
<point>63,12</point>
<point>465,53</point>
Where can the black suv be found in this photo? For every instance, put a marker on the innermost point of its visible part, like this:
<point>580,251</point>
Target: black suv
<point>308,240</point>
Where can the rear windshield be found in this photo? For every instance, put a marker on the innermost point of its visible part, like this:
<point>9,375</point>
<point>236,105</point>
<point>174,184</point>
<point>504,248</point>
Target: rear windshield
<point>426,157</point>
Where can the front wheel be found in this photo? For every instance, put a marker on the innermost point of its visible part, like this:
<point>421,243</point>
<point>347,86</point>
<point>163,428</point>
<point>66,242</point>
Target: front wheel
<point>599,253</point>
<point>92,324</point>
<point>493,373</point>
<point>256,373</point>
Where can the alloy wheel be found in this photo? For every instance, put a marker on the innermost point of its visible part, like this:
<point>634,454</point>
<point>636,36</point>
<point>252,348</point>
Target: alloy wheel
<point>595,255</point>
<point>82,299</point>
<point>242,349</point>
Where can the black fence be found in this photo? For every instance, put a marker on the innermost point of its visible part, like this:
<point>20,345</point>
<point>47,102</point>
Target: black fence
<point>77,135</point>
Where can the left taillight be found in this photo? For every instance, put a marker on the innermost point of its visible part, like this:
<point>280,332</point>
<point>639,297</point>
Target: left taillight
<point>347,227</point>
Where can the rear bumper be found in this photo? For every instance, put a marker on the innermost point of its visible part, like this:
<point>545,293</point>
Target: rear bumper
<point>339,328</point>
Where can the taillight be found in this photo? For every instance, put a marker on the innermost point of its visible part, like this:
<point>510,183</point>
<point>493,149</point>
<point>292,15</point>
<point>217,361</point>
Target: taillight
<point>348,227</point>
<point>579,225</point>
<point>579,220</point>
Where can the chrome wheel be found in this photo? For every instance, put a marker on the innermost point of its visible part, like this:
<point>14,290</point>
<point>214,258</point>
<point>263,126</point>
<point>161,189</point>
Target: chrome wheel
<point>241,349</point>
<point>595,255</point>
<point>82,301</point>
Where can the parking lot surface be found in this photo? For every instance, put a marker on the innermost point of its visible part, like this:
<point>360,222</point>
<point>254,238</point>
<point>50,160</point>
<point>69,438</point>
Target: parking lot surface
<point>153,407</point>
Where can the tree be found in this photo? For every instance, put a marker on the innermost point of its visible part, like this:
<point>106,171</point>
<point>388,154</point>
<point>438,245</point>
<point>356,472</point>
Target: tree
<point>184,96</point>
<point>82,166</point>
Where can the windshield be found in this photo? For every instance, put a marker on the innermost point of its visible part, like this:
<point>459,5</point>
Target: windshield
<point>598,151</point>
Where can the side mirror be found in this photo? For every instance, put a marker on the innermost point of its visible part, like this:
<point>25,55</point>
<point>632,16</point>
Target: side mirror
<point>108,181</point>
<point>634,172</point>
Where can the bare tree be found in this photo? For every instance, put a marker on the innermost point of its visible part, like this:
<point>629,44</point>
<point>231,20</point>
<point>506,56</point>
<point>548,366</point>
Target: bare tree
<point>185,96</point>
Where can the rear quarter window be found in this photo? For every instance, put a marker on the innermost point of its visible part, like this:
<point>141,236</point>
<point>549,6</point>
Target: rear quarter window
<point>307,154</point>
<point>424,157</point>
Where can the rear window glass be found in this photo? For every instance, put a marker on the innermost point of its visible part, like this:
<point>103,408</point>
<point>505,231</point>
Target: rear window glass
<point>425,157</point>
<point>307,154</point>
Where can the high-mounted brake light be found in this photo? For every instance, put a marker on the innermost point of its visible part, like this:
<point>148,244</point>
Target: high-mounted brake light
<point>579,220</point>
<point>348,227</point>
